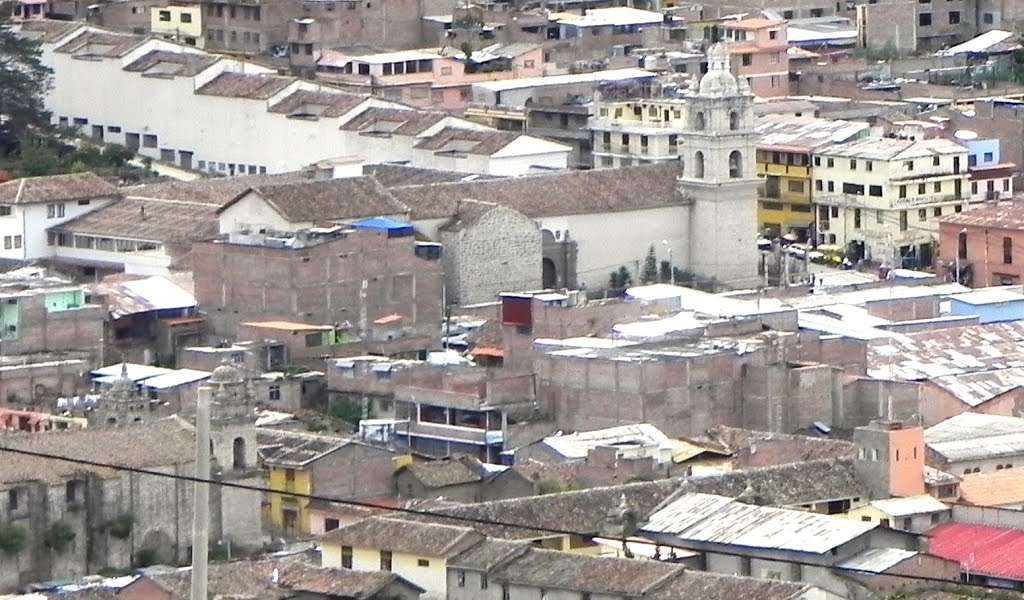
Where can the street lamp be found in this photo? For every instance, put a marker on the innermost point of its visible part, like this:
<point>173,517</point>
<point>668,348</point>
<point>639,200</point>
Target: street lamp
<point>671,267</point>
<point>957,262</point>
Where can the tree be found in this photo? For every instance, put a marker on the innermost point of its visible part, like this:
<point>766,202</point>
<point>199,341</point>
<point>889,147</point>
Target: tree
<point>24,81</point>
<point>37,159</point>
<point>649,274</point>
<point>665,272</point>
<point>625,279</point>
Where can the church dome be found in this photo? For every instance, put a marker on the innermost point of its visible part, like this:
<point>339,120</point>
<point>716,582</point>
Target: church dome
<point>225,373</point>
<point>719,80</point>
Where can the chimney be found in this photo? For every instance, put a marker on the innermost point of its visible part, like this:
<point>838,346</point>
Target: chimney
<point>890,458</point>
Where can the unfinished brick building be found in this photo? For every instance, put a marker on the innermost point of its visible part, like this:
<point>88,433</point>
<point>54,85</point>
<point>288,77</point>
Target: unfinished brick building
<point>375,283</point>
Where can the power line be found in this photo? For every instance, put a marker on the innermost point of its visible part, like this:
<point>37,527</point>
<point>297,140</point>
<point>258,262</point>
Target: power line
<point>439,515</point>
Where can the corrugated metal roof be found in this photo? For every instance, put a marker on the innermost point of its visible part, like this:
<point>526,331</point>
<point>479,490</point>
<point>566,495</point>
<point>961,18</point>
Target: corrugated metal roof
<point>135,372</point>
<point>175,378</point>
<point>973,436</point>
<point>877,560</point>
<point>720,520</point>
<point>975,389</point>
<point>578,445</point>
<point>980,549</point>
<point>988,296</point>
<point>948,351</point>
<point>913,505</point>
<point>160,293</point>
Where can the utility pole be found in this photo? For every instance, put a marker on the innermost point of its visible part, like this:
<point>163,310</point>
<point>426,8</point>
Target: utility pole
<point>201,500</point>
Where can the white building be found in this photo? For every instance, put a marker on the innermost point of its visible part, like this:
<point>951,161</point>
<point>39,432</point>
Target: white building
<point>180,105</point>
<point>29,206</point>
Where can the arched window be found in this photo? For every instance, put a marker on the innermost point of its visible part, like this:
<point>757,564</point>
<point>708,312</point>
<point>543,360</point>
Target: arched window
<point>699,122</point>
<point>735,164</point>
<point>238,460</point>
<point>698,165</point>
<point>734,120</point>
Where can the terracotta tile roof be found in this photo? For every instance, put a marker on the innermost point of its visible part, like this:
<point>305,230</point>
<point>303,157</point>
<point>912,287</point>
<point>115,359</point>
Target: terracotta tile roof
<point>712,586</point>
<point>390,175</point>
<point>785,485</point>
<point>101,44</point>
<point>156,444</point>
<point>425,539</point>
<point>335,199</point>
<point>338,584</point>
<point>213,190</point>
<point>296,450</point>
<point>1002,215</point>
<point>490,334</point>
<point>331,104</point>
<point>469,141</point>
<point>447,471</point>
<point>187,64</point>
<point>553,194</point>
<point>239,85</point>
<point>601,574</point>
<point>55,188</point>
<point>166,221</point>
<point>48,30</point>
<point>488,554</point>
<point>392,120</point>
<point>999,488</point>
<point>584,511</point>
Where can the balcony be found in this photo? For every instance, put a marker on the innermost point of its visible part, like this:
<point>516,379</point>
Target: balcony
<point>801,171</point>
<point>439,431</point>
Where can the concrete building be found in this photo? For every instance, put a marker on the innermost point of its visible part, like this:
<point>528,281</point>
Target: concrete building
<point>461,479</point>
<point>323,276</point>
<point>785,148</point>
<point>976,443</point>
<point>30,206</point>
<point>883,199</point>
<point>418,552</point>
<point>759,48</point>
<point>234,105</point>
<point>179,24</point>
<point>429,78</point>
<point>42,313</point>
<point>986,243</point>
<point>492,570</point>
<point>991,179</point>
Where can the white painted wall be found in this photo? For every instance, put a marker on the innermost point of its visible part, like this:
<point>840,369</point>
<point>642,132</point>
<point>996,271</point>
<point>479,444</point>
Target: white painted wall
<point>31,223</point>
<point>149,262</point>
<point>226,129</point>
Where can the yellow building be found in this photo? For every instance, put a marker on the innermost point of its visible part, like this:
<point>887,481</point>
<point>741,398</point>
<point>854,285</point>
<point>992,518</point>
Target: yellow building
<point>784,149</point>
<point>883,198</point>
<point>416,551</point>
<point>914,513</point>
<point>298,465</point>
<point>181,24</point>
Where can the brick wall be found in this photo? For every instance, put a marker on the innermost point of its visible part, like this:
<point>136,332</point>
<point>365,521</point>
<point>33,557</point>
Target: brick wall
<point>357,279</point>
<point>354,471</point>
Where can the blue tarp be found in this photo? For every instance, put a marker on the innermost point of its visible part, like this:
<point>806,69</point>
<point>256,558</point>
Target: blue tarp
<point>383,223</point>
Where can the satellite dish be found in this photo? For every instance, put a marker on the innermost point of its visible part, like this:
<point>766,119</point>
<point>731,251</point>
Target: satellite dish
<point>965,134</point>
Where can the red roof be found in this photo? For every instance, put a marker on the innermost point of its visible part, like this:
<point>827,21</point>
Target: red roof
<point>981,549</point>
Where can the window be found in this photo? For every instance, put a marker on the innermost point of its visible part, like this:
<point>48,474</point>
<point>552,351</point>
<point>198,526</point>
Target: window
<point>817,161</point>
<point>972,160</point>
<point>835,211</point>
<point>1006,186</point>
<point>908,165</point>
<point>385,560</point>
<point>869,166</point>
<point>1007,251</point>
<point>346,553</point>
<point>5,211</point>
<point>422,562</point>
<point>974,187</point>
<point>954,17</point>
<point>8,242</point>
<point>113,129</point>
<point>165,15</point>
<point>774,34</point>
<point>698,165</point>
<point>625,139</point>
<point>74,491</point>
<point>987,157</point>
<point>17,241</point>
<point>818,186</point>
<point>924,19</point>
<point>903,191</point>
<point>238,453</point>
<point>186,17</point>
<point>149,140</point>
<point>831,186</point>
<point>483,582</point>
<point>903,220</point>
<point>962,245</point>
<point>461,578</point>
<point>921,188</point>
<point>830,163</point>
<point>958,208</point>
<point>987,18</point>
<point>853,164</point>
<point>13,498</point>
<point>699,122</point>
<point>937,211</point>
<point>55,211</point>
<point>314,339</point>
<point>875,190</point>
<point>880,217</point>
<point>736,165</point>
<point>937,187</point>
<point>504,592</point>
<point>274,392</point>
<point>734,120</point>
<point>746,60</point>
<point>796,186</point>
<point>289,475</point>
<point>922,214</point>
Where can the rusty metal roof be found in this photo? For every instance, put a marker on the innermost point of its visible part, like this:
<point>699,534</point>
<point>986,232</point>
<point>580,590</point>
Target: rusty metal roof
<point>947,351</point>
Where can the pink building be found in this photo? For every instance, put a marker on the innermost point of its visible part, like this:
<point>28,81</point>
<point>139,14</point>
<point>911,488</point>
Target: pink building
<point>426,78</point>
<point>759,50</point>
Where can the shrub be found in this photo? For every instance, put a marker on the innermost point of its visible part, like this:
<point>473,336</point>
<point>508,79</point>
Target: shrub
<point>121,526</point>
<point>12,539</point>
<point>58,536</point>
